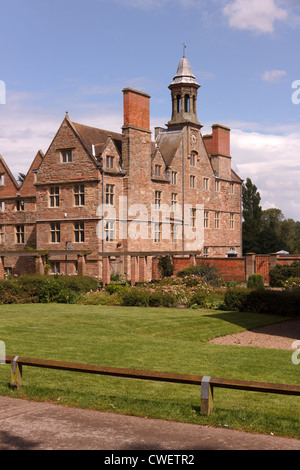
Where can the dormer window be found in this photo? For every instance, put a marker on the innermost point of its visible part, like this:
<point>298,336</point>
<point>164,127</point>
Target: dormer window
<point>66,156</point>
<point>109,161</point>
<point>157,170</point>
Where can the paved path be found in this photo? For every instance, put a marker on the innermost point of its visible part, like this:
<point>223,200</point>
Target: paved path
<point>27,425</point>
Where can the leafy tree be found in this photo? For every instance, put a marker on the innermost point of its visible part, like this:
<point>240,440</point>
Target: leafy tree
<point>252,213</point>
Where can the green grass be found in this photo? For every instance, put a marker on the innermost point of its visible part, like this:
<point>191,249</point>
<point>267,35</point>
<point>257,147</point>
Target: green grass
<point>171,340</point>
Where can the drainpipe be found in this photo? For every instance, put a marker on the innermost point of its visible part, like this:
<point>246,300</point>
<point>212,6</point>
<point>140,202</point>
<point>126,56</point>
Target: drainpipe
<point>183,191</point>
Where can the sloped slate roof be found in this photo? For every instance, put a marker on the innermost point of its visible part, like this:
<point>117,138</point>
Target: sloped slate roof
<point>93,136</point>
<point>168,144</point>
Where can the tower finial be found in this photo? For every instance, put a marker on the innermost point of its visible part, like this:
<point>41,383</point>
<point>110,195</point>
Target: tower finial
<point>184,48</point>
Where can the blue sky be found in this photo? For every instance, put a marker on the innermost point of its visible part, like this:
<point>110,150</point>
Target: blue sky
<point>77,56</point>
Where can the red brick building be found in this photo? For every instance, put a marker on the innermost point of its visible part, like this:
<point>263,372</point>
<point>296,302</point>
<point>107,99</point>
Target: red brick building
<point>97,192</point>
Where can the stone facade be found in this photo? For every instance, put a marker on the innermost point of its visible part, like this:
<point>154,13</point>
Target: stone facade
<point>97,192</point>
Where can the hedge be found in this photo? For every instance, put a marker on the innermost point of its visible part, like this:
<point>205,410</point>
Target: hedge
<point>281,273</point>
<point>44,289</point>
<point>286,303</point>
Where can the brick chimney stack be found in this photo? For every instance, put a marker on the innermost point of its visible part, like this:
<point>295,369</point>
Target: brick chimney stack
<point>218,147</point>
<point>136,109</point>
<point>221,140</point>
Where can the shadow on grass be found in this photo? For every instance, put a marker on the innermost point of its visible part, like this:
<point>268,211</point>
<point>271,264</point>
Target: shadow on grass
<point>263,323</point>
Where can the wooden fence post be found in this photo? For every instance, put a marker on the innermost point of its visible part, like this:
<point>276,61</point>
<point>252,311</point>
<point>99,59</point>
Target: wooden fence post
<point>206,396</point>
<point>16,374</point>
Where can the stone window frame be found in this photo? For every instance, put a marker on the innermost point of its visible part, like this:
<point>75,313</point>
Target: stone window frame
<point>174,233</point>
<point>20,234</point>
<point>66,155</point>
<point>231,221</point>
<point>20,205</point>
<point>174,201</point>
<point>193,217</point>
<point>109,230</point>
<point>79,232</point>
<point>217,186</point>
<point>205,184</point>
<point>109,161</point>
<point>157,170</point>
<point>231,188</point>
<point>193,157</point>
<point>206,219</point>
<point>109,194</point>
<point>2,234</point>
<point>157,200</point>
<point>55,267</point>
<point>157,232</point>
<point>54,232</point>
<point>54,196</point>
<point>192,181</point>
<point>174,177</point>
<point>79,195</point>
<point>217,219</point>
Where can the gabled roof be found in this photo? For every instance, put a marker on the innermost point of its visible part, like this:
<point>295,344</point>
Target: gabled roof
<point>8,172</point>
<point>168,143</point>
<point>98,137</point>
<point>28,181</point>
<point>235,177</point>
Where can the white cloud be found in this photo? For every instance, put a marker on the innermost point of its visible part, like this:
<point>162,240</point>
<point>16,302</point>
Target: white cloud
<point>272,163</point>
<point>273,76</point>
<point>254,15</point>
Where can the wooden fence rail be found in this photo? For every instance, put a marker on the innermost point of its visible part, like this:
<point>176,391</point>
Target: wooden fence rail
<point>206,383</point>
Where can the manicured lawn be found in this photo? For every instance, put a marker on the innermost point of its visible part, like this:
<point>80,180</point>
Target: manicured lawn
<point>171,340</point>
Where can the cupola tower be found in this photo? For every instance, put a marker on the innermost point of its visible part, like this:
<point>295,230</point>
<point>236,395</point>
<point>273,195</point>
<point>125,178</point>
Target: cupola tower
<point>184,89</point>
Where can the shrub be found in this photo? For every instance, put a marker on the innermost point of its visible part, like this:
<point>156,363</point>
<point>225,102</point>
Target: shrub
<point>162,299</point>
<point>135,298</point>
<point>115,288</point>
<point>11,293</point>
<point>165,266</point>
<point>235,299</point>
<point>198,299</point>
<point>206,272</point>
<point>80,284</point>
<point>44,289</point>
<point>66,296</point>
<point>99,298</point>
<point>281,273</point>
<point>50,289</point>
<point>255,281</point>
<point>285,303</point>
<point>292,284</point>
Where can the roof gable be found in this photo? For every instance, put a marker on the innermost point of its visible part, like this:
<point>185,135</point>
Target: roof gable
<point>10,184</point>
<point>168,144</point>
<point>27,188</point>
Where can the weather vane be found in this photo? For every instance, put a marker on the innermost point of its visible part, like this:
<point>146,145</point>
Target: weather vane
<point>184,48</point>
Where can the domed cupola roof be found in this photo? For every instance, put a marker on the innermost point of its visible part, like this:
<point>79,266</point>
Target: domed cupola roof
<point>184,73</point>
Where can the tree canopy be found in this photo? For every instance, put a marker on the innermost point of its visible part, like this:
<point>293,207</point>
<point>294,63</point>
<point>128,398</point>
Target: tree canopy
<point>266,231</point>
